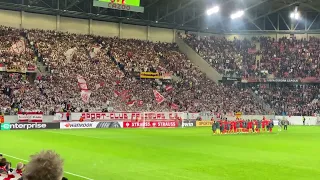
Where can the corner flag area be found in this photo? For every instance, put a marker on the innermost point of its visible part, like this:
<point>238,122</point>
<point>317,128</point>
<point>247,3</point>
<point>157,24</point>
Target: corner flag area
<point>173,154</point>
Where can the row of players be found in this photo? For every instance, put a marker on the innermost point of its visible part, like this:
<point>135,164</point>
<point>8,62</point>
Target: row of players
<point>245,126</point>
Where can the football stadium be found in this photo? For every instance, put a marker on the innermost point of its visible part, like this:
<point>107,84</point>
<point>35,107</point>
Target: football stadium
<point>159,89</point>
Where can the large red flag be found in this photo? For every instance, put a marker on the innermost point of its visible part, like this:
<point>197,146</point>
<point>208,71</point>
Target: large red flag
<point>85,95</point>
<point>159,98</point>
<point>252,50</point>
<point>131,103</point>
<point>125,95</point>
<point>169,87</point>
<point>140,103</point>
<point>83,86</point>
<point>81,80</point>
<point>174,106</point>
<point>117,93</point>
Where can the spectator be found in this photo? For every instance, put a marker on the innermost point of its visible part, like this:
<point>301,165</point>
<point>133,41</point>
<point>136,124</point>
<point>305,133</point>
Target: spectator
<point>259,57</point>
<point>4,165</point>
<point>20,168</point>
<point>111,65</point>
<point>44,165</point>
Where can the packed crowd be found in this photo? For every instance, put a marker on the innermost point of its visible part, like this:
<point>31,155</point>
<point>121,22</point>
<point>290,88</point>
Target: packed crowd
<point>15,55</point>
<point>265,57</point>
<point>227,57</point>
<point>291,99</point>
<point>259,57</point>
<point>110,67</point>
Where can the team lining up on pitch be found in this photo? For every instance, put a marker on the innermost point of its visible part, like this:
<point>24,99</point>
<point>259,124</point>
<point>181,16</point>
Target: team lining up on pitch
<point>246,126</point>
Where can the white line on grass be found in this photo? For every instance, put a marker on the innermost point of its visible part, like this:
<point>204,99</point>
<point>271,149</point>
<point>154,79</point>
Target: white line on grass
<point>95,137</point>
<point>83,177</point>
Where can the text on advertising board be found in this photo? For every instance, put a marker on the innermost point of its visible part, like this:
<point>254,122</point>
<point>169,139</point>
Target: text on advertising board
<point>150,124</point>
<point>128,115</point>
<point>204,123</point>
<point>30,116</point>
<point>85,125</point>
<point>29,126</point>
<point>119,6</point>
<point>74,125</point>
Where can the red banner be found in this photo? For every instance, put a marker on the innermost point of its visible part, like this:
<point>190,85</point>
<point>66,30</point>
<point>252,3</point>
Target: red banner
<point>174,106</point>
<point>252,51</point>
<point>81,80</point>
<point>117,93</point>
<point>85,96</point>
<point>140,103</point>
<point>31,68</point>
<point>83,86</point>
<point>30,116</point>
<point>3,67</point>
<point>131,103</point>
<point>151,124</point>
<point>159,98</point>
<point>104,116</point>
<point>169,88</point>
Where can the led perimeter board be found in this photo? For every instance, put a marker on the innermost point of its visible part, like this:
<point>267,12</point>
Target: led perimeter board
<point>124,5</point>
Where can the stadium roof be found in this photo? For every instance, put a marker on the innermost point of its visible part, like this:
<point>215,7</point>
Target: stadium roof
<point>260,15</point>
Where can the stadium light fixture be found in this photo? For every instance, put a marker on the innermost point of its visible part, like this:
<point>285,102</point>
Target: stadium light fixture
<point>295,14</point>
<point>213,10</point>
<point>237,14</point>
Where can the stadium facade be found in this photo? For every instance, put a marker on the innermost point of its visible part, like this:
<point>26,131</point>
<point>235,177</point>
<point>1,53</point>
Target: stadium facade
<point>162,19</point>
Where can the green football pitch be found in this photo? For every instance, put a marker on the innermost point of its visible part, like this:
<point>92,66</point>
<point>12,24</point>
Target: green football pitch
<point>173,154</point>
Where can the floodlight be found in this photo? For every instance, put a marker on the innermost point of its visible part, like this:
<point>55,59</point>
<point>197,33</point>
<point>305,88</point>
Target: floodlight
<point>237,14</point>
<point>213,10</point>
<point>295,14</point>
<point>292,15</point>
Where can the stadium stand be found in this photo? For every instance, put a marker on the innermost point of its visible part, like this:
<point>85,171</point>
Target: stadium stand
<point>265,57</point>
<point>110,65</point>
<point>260,56</point>
<point>293,99</point>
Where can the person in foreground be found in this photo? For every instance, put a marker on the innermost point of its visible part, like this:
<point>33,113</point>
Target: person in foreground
<point>46,165</point>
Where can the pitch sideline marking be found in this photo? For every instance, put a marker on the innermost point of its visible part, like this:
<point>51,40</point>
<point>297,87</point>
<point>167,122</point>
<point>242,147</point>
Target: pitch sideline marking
<point>83,177</point>
<point>94,137</point>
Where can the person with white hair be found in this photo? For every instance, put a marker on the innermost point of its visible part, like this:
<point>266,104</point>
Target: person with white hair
<point>20,168</point>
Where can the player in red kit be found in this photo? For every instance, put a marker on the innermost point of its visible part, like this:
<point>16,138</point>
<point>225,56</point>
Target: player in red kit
<point>255,125</point>
<point>264,125</point>
<point>241,126</point>
<point>225,124</point>
<point>232,125</point>
<point>250,125</point>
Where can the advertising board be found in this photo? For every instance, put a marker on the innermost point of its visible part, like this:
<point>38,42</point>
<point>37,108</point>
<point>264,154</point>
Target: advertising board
<point>90,125</point>
<point>29,126</point>
<point>151,124</point>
